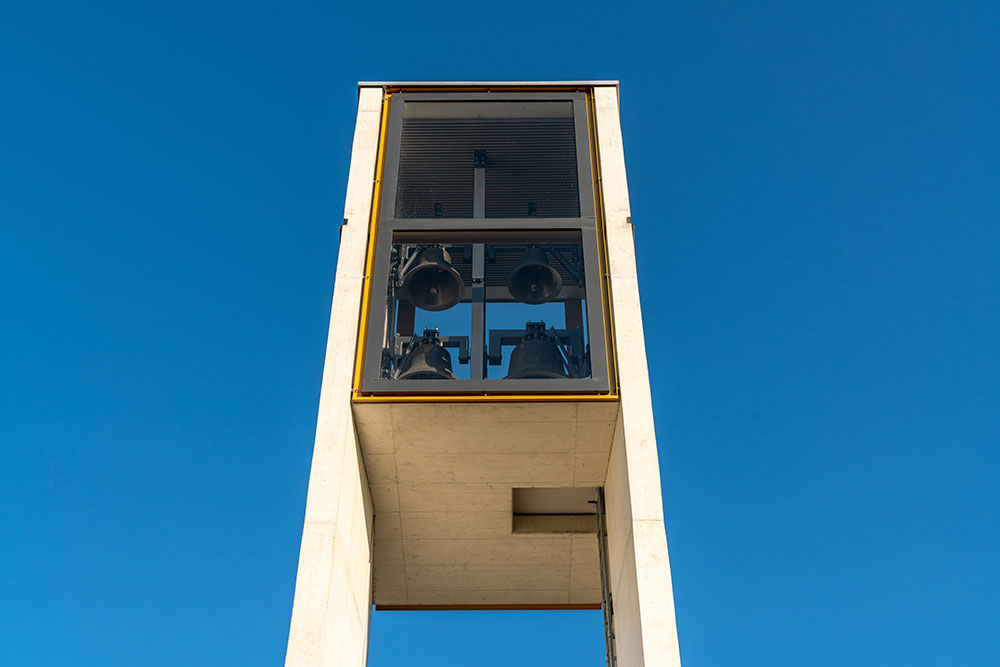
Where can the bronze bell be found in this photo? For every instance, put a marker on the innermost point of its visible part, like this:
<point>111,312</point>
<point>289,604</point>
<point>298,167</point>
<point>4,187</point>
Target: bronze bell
<point>428,360</point>
<point>431,282</point>
<point>536,356</point>
<point>534,280</point>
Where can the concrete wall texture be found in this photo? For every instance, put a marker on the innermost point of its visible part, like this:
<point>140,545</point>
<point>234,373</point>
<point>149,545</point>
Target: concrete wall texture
<point>332,605</point>
<point>334,586</point>
<point>646,632</point>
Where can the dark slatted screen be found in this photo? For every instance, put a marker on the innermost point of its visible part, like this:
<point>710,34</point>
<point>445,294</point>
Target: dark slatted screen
<point>530,167</point>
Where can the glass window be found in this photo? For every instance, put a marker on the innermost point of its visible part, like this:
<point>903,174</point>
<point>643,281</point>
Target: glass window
<point>520,295</point>
<point>486,274</point>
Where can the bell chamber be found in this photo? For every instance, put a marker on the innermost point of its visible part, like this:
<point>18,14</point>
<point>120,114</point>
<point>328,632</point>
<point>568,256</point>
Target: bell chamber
<point>487,245</point>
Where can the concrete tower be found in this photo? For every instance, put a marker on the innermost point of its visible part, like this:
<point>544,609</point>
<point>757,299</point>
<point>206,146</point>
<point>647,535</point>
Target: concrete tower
<point>485,435</point>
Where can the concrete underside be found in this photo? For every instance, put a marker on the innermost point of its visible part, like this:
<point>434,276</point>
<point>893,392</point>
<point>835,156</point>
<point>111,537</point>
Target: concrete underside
<point>441,477</point>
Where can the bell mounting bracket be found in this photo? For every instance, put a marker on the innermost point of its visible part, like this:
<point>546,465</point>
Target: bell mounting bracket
<point>400,343</point>
<point>571,338</point>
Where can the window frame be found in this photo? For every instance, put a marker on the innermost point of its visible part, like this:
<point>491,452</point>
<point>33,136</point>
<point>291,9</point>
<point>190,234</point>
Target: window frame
<point>388,224</point>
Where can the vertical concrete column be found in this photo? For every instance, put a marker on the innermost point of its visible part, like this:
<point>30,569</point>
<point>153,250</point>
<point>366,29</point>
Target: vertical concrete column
<point>642,595</point>
<point>332,604</point>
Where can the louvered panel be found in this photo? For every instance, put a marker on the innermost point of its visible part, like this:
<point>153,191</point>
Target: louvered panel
<point>530,167</point>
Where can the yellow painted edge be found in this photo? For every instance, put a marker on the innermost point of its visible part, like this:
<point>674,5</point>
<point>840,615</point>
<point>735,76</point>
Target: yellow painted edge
<point>595,172</point>
<point>372,231</point>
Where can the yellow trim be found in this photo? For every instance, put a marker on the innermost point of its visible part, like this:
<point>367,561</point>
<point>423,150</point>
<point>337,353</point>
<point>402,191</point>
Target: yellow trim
<point>372,230</point>
<point>595,172</point>
<point>611,396</point>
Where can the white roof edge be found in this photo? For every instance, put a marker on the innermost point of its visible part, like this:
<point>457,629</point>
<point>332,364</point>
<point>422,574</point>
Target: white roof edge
<point>379,84</point>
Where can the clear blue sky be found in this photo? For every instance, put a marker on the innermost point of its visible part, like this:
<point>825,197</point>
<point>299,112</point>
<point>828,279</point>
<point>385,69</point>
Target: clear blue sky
<point>816,194</point>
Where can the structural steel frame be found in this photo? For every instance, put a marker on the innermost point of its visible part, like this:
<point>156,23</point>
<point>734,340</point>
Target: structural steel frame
<point>369,384</point>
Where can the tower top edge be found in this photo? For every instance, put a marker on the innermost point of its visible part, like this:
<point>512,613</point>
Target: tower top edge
<point>540,84</point>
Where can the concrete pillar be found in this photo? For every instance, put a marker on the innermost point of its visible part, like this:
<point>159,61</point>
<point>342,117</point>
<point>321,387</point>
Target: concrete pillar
<point>642,595</point>
<point>332,605</point>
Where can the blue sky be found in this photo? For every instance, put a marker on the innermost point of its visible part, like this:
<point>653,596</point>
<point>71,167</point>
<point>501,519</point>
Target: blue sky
<point>816,194</point>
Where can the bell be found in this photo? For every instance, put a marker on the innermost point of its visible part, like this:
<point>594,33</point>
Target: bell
<point>534,280</point>
<point>428,360</point>
<point>536,356</point>
<point>431,282</point>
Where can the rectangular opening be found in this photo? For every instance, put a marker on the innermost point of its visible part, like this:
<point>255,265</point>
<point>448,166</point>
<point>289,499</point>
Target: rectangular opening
<point>486,277</point>
<point>513,635</point>
<point>554,510</point>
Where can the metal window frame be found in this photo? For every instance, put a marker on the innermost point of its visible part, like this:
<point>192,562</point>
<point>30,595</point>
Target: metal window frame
<point>388,224</point>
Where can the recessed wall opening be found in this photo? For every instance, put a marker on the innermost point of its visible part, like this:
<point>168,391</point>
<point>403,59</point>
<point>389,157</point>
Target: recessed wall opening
<point>554,510</point>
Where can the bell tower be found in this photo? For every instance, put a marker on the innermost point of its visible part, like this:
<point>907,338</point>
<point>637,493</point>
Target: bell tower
<point>485,435</point>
